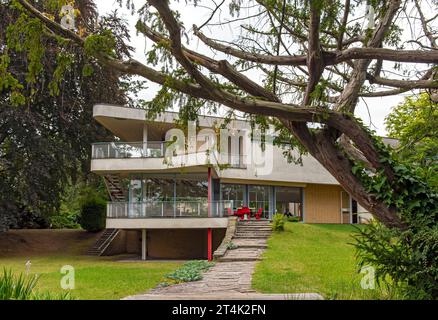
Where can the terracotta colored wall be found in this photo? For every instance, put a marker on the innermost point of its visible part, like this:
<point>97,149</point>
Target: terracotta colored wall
<point>181,243</point>
<point>167,243</point>
<point>322,203</point>
<point>133,241</point>
<point>118,245</point>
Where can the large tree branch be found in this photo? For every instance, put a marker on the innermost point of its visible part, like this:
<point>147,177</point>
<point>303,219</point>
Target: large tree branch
<point>426,30</point>
<point>221,67</point>
<point>405,84</point>
<point>315,63</point>
<point>330,57</point>
<point>343,25</point>
<point>348,99</point>
<point>323,148</point>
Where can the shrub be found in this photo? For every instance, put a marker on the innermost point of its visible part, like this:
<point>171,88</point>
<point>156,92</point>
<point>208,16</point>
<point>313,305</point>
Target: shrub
<point>231,246</point>
<point>278,222</point>
<point>293,219</point>
<point>190,271</point>
<point>93,214</point>
<point>21,287</point>
<point>64,221</point>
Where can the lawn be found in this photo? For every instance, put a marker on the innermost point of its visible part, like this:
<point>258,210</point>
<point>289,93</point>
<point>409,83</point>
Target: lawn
<point>95,277</point>
<point>312,258</point>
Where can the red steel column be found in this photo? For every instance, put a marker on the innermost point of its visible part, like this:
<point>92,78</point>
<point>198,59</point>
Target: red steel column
<point>210,244</point>
<point>209,231</point>
<point>209,191</point>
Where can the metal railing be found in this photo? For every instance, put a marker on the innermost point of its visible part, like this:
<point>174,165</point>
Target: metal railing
<point>153,149</point>
<point>121,150</point>
<point>169,209</point>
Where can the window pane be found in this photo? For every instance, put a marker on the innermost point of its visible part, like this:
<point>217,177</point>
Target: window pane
<point>288,201</point>
<point>234,192</point>
<point>259,199</point>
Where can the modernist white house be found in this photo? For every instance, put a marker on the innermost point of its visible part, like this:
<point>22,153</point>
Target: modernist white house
<point>169,202</point>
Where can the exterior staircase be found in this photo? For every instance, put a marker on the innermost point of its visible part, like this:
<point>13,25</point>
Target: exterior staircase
<point>114,187</point>
<point>250,238</point>
<point>103,242</point>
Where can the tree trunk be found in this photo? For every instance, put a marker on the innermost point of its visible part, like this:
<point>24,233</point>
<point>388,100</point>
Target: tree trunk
<point>322,147</point>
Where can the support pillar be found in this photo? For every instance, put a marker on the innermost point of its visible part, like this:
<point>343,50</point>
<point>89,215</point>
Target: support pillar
<point>209,187</point>
<point>143,244</point>
<point>210,244</point>
<point>145,140</point>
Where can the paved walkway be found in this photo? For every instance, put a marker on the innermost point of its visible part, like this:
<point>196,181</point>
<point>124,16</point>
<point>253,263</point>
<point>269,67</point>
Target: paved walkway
<point>229,278</point>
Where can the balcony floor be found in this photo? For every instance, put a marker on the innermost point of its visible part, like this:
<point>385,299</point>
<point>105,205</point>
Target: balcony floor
<point>166,223</point>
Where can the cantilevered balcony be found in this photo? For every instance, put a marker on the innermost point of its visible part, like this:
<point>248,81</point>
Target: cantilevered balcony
<point>169,209</point>
<point>144,156</point>
<point>123,150</point>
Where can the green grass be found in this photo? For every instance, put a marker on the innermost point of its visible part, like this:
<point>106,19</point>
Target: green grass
<point>312,258</point>
<point>95,277</point>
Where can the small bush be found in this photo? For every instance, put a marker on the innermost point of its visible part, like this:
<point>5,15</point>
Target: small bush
<point>64,221</point>
<point>293,219</point>
<point>93,214</point>
<point>231,246</point>
<point>190,271</point>
<point>278,222</point>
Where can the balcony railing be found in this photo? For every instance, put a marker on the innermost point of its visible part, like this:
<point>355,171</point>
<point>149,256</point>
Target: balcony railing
<point>121,150</point>
<point>153,149</point>
<point>169,209</point>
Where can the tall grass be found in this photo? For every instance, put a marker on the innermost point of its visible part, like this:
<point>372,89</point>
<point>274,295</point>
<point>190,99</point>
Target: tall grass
<point>22,287</point>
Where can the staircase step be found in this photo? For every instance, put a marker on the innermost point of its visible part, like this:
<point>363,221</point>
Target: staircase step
<point>236,259</point>
<point>254,232</point>
<point>102,242</point>
<point>250,237</point>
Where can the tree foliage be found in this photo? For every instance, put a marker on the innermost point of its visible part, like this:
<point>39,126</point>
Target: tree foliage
<point>93,214</point>
<point>415,124</point>
<point>47,90</point>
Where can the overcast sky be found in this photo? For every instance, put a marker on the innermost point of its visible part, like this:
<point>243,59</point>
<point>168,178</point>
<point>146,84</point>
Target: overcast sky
<point>377,110</point>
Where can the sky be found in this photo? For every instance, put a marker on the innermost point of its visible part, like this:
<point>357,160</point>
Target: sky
<point>371,110</point>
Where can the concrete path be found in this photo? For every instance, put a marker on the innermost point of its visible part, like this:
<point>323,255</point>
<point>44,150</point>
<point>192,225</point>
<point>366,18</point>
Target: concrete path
<point>230,277</point>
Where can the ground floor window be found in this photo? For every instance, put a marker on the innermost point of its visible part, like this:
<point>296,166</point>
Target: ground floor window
<point>288,201</point>
<point>259,197</point>
<point>235,193</point>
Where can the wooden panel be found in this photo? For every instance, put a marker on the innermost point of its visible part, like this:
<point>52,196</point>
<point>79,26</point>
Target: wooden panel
<point>322,203</point>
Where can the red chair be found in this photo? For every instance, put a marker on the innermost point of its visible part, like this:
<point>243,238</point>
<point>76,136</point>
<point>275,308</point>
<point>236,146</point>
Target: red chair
<point>230,212</point>
<point>243,211</point>
<point>258,215</point>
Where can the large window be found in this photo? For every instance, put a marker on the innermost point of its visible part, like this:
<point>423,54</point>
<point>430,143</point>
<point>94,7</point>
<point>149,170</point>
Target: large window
<point>167,188</point>
<point>259,199</point>
<point>234,192</point>
<point>289,201</point>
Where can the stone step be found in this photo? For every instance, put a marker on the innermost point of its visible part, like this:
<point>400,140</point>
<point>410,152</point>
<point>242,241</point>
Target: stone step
<point>253,222</point>
<point>253,233</point>
<point>249,237</point>
<point>255,227</point>
<point>253,230</point>
<point>227,259</point>
<point>253,245</point>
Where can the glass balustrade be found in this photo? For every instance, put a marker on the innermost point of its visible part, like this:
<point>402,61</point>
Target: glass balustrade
<point>169,209</point>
